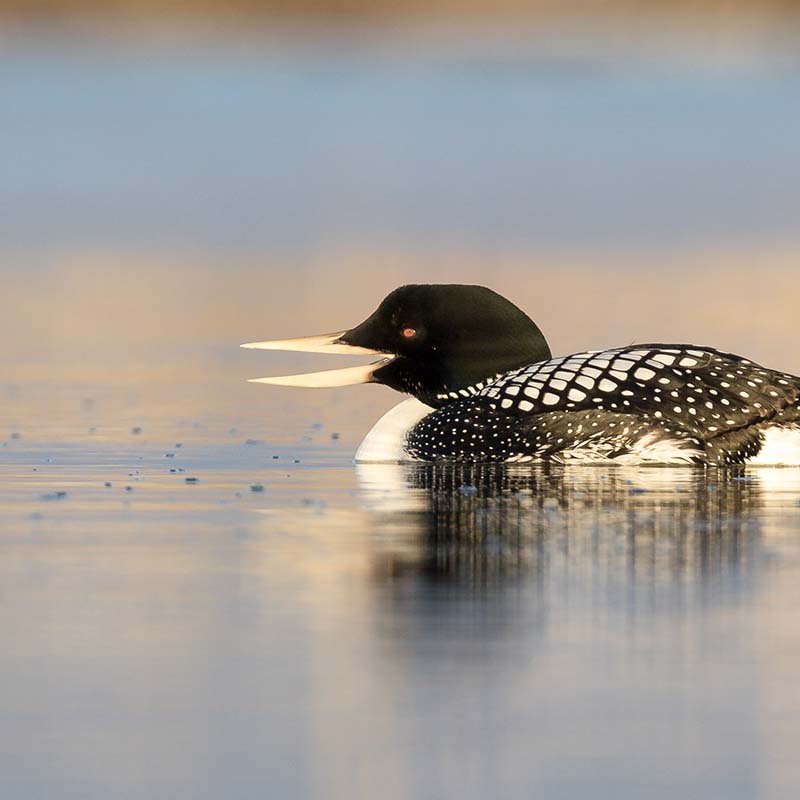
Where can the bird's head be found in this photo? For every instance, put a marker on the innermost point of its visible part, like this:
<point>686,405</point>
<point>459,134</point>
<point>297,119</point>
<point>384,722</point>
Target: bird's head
<point>440,342</point>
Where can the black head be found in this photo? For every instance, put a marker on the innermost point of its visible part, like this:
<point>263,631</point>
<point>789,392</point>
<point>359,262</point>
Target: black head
<point>446,339</point>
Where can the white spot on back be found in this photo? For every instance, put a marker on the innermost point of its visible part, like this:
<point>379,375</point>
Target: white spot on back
<point>664,359</point>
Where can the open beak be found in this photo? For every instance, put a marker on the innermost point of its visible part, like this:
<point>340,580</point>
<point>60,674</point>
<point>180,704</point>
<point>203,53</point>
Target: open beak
<point>324,343</point>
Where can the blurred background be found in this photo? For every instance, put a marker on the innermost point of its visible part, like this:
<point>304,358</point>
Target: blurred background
<point>187,615</point>
<point>177,178</point>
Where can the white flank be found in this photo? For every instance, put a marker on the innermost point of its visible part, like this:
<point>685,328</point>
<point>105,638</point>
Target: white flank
<point>652,450</point>
<point>781,449</point>
<point>384,443</point>
<point>648,450</point>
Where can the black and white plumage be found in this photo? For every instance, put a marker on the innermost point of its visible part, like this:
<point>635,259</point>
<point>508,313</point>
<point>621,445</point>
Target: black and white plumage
<point>488,390</point>
<point>632,403</point>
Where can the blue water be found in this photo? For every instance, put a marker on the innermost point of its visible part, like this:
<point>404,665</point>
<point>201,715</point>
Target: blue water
<point>378,632</point>
<point>391,631</point>
<point>263,149</point>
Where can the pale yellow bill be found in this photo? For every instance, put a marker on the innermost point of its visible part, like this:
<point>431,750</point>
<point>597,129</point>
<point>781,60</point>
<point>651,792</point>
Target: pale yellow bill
<point>323,343</point>
<point>349,376</point>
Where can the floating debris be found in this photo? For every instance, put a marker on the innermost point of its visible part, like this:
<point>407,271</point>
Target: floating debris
<point>54,496</point>
<point>136,431</point>
<point>253,441</point>
<point>335,436</point>
<point>129,488</point>
<point>108,484</point>
<point>92,430</point>
<point>275,457</point>
<point>257,487</point>
<point>297,461</point>
<point>192,479</point>
<point>16,435</point>
<point>178,444</point>
<point>169,455</point>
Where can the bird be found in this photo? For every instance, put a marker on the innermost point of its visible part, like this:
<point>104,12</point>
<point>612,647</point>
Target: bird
<point>485,387</point>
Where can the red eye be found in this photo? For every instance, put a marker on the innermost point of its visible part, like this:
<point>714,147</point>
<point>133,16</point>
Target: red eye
<point>408,333</point>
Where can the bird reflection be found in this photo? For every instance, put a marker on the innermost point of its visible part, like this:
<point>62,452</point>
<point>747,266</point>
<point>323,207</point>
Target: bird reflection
<point>482,528</point>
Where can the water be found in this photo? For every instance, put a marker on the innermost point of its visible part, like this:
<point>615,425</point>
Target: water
<point>272,149</point>
<point>392,630</point>
<point>380,631</point>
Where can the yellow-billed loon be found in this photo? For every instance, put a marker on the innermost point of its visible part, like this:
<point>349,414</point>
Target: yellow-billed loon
<point>485,388</point>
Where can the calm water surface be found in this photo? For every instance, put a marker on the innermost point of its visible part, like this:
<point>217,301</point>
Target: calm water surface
<point>287,625</point>
<point>387,630</point>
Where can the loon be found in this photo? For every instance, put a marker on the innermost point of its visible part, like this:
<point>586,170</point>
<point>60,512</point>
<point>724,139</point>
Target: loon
<point>485,387</point>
